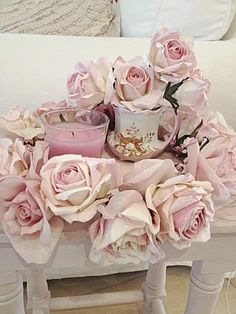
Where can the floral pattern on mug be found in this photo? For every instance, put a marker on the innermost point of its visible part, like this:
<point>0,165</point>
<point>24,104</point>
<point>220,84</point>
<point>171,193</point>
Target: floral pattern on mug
<point>185,208</point>
<point>125,232</point>
<point>21,123</point>
<point>172,57</point>
<point>135,85</point>
<point>73,185</point>
<point>26,219</point>
<point>90,85</point>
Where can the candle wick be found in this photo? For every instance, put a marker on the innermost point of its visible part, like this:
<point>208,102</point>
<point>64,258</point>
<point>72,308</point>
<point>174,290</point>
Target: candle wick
<point>73,133</point>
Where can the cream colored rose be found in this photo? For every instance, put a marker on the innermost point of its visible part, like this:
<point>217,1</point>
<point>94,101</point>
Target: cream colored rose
<point>172,57</point>
<point>20,123</point>
<point>125,233</point>
<point>73,185</point>
<point>135,85</point>
<point>185,208</point>
<point>90,85</point>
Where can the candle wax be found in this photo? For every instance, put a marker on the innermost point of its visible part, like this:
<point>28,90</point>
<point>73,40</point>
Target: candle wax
<point>75,138</point>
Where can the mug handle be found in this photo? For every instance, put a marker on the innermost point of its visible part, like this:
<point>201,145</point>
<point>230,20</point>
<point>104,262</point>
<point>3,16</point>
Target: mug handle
<point>174,132</point>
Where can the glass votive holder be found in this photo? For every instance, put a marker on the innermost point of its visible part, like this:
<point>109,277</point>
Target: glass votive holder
<point>75,131</point>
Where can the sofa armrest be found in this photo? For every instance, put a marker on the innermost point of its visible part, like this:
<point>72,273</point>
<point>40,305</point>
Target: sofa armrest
<point>231,33</point>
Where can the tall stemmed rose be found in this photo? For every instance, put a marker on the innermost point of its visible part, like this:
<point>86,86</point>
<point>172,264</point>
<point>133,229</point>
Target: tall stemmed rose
<point>135,85</point>
<point>90,84</point>
<point>187,90</point>
<point>172,56</point>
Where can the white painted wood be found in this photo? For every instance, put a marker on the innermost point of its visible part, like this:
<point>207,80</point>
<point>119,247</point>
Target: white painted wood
<point>204,290</point>
<point>11,293</point>
<point>37,292</point>
<point>154,289</point>
<point>92,300</point>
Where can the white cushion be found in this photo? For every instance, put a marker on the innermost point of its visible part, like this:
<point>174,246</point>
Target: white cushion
<point>202,19</point>
<point>34,68</point>
<point>74,17</point>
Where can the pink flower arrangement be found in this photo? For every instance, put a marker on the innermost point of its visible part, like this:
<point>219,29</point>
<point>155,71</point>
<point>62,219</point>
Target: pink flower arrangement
<point>130,211</point>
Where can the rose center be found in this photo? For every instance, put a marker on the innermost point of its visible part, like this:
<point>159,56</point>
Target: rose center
<point>136,76</point>
<point>174,50</point>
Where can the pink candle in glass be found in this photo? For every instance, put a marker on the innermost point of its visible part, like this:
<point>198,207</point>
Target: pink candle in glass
<point>68,132</point>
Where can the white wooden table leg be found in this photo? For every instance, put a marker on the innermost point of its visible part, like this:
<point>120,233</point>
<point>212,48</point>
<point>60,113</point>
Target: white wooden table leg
<point>11,293</point>
<point>204,290</point>
<point>37,290</point>
<point>154,289</point>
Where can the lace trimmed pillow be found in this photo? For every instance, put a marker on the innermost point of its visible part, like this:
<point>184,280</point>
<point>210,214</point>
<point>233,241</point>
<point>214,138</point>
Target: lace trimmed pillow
<point>60,17</point>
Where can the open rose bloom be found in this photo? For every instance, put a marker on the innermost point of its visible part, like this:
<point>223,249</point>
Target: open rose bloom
<point>125,232</point>
<point>135,85</point>
<point>90,84</point>
<point>29,224</point>
<point>73,185</point>
<point>171,56</point>
<point>185,208</point>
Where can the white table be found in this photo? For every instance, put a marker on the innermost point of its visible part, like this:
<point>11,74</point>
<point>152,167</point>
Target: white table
<point>34,70</point>
<point>210,262</point>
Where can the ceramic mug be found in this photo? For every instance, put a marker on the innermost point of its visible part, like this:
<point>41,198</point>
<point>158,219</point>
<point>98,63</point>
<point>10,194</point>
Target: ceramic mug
<point>135,136</point>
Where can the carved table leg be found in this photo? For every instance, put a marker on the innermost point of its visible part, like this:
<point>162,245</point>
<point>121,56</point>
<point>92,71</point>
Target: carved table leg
<point>37,290</point>
<point>154,289</point>
<point>11,293</point>
<point>204,290</point>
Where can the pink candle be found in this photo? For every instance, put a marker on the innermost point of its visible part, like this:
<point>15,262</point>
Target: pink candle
<point>68,136</point>
<point>75,138</point>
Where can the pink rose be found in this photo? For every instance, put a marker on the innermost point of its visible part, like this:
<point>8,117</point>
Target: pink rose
<point>216,163</point>
<point>171,56</point>
<point>125,232</point>
<point>14,157</point>
<point>185,208</point>
<point>193,93</point>
<point>19,159</point>
<point>51,105</point>
<point>146,172</point>
<point>214,126</point>
<point>135,85</point>
<point>90,84</point>
<point>73,185</point>
<point>20,123</point>
<point>26,220</point>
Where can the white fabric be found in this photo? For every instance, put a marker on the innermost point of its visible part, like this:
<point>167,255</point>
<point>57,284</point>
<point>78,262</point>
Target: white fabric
<point>203,19</point>
<point>74,17</point>
<point>34,68</point>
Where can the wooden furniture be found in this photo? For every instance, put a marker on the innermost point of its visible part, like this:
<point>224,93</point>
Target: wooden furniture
<point>210,262</point>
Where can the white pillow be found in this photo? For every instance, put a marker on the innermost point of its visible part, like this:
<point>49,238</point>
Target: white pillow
<point>54,17</point>
<point>202,19</point>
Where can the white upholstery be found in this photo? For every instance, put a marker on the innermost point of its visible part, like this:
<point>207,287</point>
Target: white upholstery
<point>203,19</point>
<point>34,68</point>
